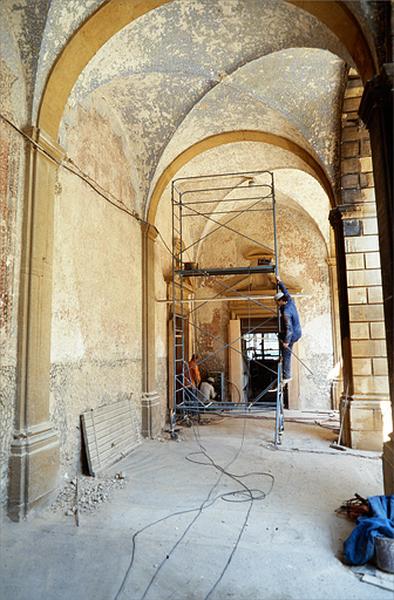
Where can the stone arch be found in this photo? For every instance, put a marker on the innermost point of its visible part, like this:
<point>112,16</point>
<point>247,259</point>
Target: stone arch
<point>227,138</point>
<point>116,14</point>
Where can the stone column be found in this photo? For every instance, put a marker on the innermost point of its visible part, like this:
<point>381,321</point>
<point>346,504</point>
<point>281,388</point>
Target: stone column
<point>347,374</point>
<point>34,457</point>
<point>376,110</point>
<point>151,420</point>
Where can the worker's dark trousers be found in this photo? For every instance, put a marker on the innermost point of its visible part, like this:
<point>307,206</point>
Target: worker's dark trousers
<point>286,355</point>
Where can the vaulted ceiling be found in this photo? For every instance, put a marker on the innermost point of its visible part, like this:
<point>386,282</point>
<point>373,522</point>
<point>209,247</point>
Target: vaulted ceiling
<point>189,70</point>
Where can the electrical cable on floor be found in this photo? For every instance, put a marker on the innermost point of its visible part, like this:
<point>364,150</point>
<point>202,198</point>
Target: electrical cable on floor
<point>227,495</point>
<point>209,501</point>
<point>251,497</point>
<point>199,509</point>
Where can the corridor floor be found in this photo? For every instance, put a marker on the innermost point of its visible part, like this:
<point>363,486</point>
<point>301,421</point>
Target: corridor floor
<point>284,546</point>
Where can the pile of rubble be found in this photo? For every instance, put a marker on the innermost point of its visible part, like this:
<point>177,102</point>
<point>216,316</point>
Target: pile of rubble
<point>85,494</point>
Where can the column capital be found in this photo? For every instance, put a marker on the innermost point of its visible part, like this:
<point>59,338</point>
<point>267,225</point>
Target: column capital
<point>335,217</point>
<point>377,93</point>
<point>45,142</point>
<point>149,230</point>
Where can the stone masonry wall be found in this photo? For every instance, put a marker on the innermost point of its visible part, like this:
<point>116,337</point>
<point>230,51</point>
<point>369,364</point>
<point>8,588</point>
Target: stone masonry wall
<point>370,407</point>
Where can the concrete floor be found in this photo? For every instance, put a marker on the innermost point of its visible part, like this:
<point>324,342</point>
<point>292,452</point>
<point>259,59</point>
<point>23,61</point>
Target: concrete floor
<point>288,549</point>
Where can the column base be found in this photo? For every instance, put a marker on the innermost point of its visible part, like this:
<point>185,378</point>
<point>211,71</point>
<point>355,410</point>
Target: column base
<point>151,414</point>
<point>33,469</point>
<point>388,465</point>
<point>370,422</point>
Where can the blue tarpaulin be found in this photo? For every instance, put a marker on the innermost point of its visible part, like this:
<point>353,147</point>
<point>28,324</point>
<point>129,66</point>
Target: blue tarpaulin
<point>359,547</point>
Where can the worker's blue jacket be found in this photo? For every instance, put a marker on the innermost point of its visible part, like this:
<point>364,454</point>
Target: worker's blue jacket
<point>290,326</point>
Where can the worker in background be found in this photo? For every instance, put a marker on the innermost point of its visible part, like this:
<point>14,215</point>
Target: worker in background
<point>290,327</point>
<point>192,378</point>
<point>207,391</point>
<point>194,371</point>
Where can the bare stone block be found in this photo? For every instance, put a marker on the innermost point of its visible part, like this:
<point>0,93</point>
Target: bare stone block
<point>359,331</point>
<point>372,260</point>
<point>368,243</point>
<point>380,366</point>
<point>350,181</point>
<point>364,277</point>
<point>351,196</point>
<point>370,385</point>
<point>367,440</point>
<point>350,149</point>
<point>365,149</point>
<point>362,366</point>
<point>350,133</point>
<point>366,164</point>
<point>350,165</point>
<point>368,195</point>
<point>351,227</point>
<point>366,348</point>
<point>370,226</point>
<point>377,331</point>
<point>369,419</point>
<point>366,180</point>
<point>353,92</point>
<point>357,295</point>
<point>355,261</point>
<point>351,104</point>
<point>375,294</point>
<point>368,312</point>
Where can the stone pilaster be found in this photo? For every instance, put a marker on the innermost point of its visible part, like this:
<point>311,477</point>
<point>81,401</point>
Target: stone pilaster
<point>151,421</point>
<point>370,408</point>
<point>347,374</point>
<point>34,457</point>
<point>376,110</point>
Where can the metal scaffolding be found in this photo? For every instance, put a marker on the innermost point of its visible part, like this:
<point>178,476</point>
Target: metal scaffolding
<point>211,198</point>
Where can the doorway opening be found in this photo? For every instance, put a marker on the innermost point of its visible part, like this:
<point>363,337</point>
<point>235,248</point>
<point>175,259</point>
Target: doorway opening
<point>260,348</point>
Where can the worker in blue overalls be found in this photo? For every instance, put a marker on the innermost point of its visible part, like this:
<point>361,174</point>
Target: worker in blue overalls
<point>290,327</point>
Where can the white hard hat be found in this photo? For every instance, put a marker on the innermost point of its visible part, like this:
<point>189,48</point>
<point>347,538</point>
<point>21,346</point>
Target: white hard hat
<point>278,296</point>
<point>211,379</point>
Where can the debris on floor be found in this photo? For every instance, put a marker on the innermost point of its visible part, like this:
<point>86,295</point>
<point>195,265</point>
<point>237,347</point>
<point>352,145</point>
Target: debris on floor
<point>87,493</point>
<point>354,508</point>
<point>360,546</point>
<point>372,575</point>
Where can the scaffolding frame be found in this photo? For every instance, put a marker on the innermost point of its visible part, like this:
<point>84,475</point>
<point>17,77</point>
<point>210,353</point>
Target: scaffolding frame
<point>185,400</point>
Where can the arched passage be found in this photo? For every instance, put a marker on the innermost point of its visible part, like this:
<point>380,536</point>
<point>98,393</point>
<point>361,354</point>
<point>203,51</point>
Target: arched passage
<point>228,138</point>
<point>36,284</point>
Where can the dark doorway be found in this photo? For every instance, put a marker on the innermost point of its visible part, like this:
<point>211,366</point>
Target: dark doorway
<point>261,352</point>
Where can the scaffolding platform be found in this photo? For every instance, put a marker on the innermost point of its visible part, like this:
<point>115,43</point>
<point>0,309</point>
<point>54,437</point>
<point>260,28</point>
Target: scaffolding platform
<point>225,271</point>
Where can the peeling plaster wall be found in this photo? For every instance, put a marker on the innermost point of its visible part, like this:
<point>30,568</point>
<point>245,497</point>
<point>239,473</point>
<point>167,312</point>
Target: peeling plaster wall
<point>62,21</point>
<point>212,321</point>
<point>303,257</point>
<point>96,355</point>
<point>171,48</point>
<point>12,162</point>
<point>27,23</point>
